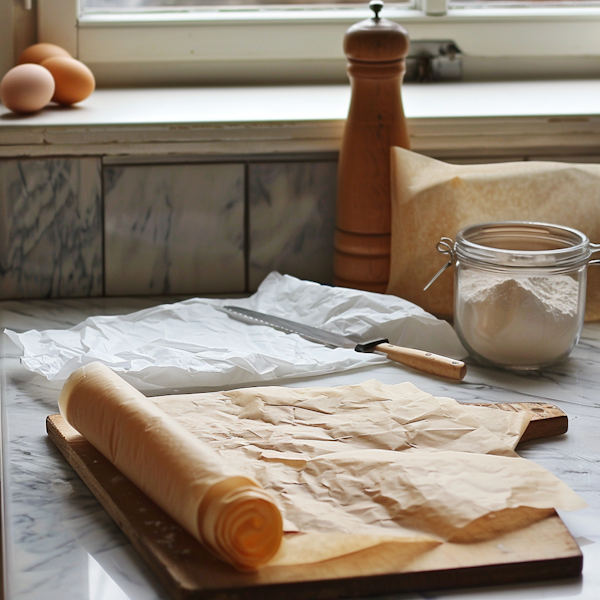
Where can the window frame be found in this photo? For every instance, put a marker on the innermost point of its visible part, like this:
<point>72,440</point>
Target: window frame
<point>297,46</point>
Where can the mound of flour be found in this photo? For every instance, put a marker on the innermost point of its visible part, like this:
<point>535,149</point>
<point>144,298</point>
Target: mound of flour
<point>525,321</point>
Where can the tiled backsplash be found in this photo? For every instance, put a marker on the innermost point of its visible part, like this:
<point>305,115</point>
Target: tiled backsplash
<point>174,229</point>
<point>72,227</point>
<point>50,228</point>
<point>292,218</point>
<point>82,226</point>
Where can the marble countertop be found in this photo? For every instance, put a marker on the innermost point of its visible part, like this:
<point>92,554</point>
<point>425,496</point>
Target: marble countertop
<point>59,543</point>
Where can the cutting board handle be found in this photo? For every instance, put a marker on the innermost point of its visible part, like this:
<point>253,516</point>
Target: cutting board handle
<point>547,420</point>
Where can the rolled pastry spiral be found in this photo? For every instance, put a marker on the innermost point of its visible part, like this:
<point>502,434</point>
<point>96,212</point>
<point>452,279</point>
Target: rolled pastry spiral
<point>229,512</point>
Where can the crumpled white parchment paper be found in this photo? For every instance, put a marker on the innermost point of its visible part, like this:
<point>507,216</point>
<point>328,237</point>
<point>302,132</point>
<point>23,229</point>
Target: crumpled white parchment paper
<point>191,344</point>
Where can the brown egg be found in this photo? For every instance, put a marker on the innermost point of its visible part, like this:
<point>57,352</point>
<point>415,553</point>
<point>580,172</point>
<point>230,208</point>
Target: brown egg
<point>74,81</point>
<point>26,88</point>
<point>40,52</point>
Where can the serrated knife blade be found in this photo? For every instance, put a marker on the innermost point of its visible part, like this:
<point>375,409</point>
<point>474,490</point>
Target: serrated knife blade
<point>427,362</point>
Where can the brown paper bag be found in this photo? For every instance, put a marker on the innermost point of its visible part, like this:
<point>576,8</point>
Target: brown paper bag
<point>432,199</point>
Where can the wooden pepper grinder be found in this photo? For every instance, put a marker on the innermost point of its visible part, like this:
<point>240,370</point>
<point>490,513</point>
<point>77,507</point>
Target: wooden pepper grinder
<point>376,49</point>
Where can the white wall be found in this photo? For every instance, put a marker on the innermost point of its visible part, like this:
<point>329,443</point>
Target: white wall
<point>18,29</point>
<point>6,36</point>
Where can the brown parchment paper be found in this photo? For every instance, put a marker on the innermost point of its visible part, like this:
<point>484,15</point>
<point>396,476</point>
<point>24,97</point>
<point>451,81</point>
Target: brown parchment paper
<point>432,199</point>
<point>356,466</point>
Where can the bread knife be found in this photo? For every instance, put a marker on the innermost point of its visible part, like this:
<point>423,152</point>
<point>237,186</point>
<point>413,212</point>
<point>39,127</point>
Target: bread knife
<point>427,362</point>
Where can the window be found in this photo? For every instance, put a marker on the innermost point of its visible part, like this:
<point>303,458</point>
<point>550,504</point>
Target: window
<point>288,43</point>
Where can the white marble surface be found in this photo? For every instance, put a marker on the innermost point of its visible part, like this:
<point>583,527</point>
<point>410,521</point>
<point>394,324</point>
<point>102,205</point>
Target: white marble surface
<point>174,229</point>
<point>58,542</point>
<point>50,228</point>
<point>292,220</point>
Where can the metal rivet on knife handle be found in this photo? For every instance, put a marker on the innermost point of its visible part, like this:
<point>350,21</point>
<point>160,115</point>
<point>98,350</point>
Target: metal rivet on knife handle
<point>434,364</point>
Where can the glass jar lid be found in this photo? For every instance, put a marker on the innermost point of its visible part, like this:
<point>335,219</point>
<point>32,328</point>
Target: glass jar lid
<point>520,244</point>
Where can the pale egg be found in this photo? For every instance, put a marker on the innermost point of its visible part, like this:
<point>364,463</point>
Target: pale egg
<point>40,52</point>
<point>73,80</point>
<point>26,88</point>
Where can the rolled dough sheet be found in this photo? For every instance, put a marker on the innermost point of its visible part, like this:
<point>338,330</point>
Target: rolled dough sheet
<point>225,509</point>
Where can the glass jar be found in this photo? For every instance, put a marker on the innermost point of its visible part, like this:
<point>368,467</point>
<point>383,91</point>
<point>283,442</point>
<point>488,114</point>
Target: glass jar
<point>519,292</point>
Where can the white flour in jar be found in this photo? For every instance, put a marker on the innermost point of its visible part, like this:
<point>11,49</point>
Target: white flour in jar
<point>524,321</point>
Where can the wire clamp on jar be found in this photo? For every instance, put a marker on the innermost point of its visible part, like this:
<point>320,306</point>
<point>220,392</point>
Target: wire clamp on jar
<point>445,246</point>
<point>594,248</point>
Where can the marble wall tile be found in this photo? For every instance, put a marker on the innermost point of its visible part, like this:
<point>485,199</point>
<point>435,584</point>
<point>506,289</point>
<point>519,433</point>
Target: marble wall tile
<point>50,228</point>
<point>292,220</point>
<point>174,229</point>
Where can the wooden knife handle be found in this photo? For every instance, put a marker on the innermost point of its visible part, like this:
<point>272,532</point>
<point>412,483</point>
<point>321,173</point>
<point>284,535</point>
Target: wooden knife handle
<point>427,362</point>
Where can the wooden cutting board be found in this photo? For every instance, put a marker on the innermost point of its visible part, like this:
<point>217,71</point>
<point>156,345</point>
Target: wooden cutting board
<point>544,550</point>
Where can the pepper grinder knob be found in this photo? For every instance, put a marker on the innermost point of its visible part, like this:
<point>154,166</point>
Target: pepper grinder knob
<point>376,49</point>
<point>376,6</point>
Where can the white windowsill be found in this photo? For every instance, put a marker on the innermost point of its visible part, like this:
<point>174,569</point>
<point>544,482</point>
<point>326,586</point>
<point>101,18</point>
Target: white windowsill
<point>469,119</point>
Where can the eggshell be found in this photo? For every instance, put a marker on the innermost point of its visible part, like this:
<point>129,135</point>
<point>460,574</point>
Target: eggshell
<point>40,52</point>
<point>26,88</point>
<point>74,81</point>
